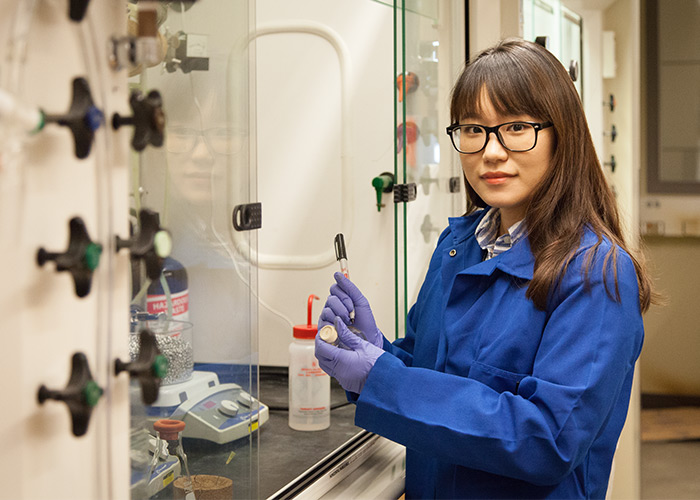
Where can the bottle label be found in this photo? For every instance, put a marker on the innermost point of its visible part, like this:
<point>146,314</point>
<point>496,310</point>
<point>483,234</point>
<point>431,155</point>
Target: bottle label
<point>314,371</point>
<point>309,411</point>
<point>310,391</point>
<point>157,304</point>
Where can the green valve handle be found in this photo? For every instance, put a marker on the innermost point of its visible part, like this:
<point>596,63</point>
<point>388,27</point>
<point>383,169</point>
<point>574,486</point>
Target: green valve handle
<point>92,256</point>
<point>92,393</point>
<point>160,366</point>
<point>81,394</point>
<point>80,259</point>
<point>149,367</point>
<point>383,183</point>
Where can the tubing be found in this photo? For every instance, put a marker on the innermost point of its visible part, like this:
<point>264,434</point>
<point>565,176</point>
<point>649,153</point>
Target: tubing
<point>103,150</point>
<point>12,74</point>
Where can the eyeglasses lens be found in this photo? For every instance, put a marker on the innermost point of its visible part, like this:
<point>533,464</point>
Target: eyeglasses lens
<point>518,136</point>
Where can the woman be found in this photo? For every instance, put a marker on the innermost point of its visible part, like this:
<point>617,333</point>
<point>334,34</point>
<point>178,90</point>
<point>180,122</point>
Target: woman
<point>514,377</point>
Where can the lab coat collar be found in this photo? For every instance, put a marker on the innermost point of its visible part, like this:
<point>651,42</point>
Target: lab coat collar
<point>518,261</point>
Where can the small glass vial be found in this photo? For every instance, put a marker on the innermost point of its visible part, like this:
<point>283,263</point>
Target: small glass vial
<point>329,335</point>
<point>169,437</point>
<point>309,385</point>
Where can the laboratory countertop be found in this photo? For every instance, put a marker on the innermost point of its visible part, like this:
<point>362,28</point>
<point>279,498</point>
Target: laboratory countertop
<point>283,453</point>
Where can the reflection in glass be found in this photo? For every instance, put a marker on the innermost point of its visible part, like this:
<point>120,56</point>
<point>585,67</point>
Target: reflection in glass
<point>193,183</point>
<point>222,141</point>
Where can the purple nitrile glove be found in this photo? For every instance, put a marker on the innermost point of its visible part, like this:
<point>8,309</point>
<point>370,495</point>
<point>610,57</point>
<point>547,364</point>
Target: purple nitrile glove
<point>351,366</point>
<point>344,298</point>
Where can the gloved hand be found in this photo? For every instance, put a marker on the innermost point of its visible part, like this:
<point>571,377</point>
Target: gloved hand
<point>344,298</point>
<point>349,366</point>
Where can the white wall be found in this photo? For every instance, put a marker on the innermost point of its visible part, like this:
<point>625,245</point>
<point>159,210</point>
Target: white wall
<point>624,18</point>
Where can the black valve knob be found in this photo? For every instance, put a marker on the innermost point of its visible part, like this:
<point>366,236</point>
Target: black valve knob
<point>610,103</point>
<point>612,133</point>
<point>149,367</point>
<point>152,244</point>
<point>83,118</point>
<point>81,394</point>
<point>612,163</point>
<point>573,70</point>
<point>148,119</point>
<point>543,41</point>
<point>77,9</point>
<point>81,258</point>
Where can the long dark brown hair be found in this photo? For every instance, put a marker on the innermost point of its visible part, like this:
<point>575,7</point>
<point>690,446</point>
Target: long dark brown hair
<point>521,77</point>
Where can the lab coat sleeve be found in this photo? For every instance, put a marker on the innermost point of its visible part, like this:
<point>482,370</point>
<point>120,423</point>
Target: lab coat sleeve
<point>403,347</point>
<point>583,364</point>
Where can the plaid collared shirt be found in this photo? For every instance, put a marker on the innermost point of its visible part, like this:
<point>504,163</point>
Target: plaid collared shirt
<point>487,234</point>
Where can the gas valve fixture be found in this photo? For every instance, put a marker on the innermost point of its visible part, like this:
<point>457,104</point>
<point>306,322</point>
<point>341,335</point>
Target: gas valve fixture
<point>77,9</point>
<point>152,244</point>
<point>383,183</point>
<point>81,394</point>
<point>80,259</point>
<point>83,118</point>
<point>149,367</point>
<point>148,119</point>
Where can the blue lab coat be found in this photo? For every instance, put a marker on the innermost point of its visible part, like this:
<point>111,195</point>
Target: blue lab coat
<point>494,398</point>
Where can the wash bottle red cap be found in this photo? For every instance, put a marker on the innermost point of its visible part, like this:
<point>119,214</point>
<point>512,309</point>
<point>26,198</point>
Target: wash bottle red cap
<point>307,331</point>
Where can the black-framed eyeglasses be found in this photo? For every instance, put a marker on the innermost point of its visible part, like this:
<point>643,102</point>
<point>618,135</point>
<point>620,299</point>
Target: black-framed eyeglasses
<point>513,136</point>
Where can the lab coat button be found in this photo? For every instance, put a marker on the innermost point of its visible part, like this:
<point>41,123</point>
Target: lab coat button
<point>453,252</point>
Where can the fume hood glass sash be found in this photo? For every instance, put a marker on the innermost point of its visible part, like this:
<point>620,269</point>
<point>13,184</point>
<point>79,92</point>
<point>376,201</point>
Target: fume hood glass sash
<point>203,175</point>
